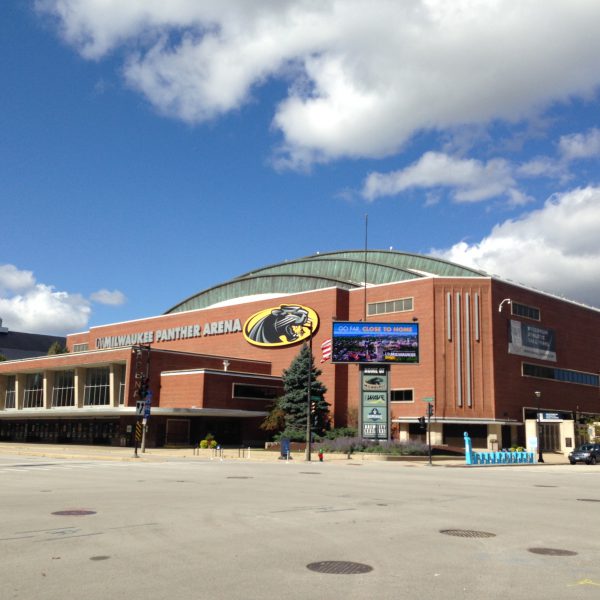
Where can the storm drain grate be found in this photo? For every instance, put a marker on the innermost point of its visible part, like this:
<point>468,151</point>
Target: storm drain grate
<point>588,500</point>
<point>339,567</point>
<point>74,513</point>
<point>240,477</point>
<point>552,551</point>
<point>467,533</point>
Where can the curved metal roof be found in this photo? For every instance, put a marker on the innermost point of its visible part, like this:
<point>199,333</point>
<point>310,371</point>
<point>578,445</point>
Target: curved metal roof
<point>333,269</point>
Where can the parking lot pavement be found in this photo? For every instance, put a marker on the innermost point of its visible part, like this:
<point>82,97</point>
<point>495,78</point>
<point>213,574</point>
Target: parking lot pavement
<point>337,530</point>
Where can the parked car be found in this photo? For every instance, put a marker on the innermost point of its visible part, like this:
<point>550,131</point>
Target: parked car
<point>587,453</point>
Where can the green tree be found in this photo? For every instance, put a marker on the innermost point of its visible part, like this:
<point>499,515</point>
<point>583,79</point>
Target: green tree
<point>2,357</point>
<point>57,348</point>
<point>292,405</point>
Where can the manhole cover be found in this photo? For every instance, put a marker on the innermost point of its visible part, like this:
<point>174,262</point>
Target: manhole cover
<point>467,533</point>
<point>74,513</point>
<point>587,500</point>
<point>552,551</point>
<point>239,477</point>
<point>309,473</point>
<point>99,557</point>
<point>339,567</point>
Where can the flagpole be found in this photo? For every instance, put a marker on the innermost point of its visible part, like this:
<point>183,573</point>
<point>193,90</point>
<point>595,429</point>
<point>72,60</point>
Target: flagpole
<point>366,246</point>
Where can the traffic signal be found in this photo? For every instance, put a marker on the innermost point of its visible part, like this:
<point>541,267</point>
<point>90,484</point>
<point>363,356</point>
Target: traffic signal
<point>430,410</point>
<point>422,422</point>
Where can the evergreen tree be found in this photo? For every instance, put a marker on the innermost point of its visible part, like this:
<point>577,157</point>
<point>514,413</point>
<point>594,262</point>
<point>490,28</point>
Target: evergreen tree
<point>56,348</point>
<point>293,403</point>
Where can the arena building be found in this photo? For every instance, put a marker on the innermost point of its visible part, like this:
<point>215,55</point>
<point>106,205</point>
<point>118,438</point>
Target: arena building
<point>492,358</point>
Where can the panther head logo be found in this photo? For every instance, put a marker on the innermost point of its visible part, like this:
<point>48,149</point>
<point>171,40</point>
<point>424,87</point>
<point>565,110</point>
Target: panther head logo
<point>286,324</point>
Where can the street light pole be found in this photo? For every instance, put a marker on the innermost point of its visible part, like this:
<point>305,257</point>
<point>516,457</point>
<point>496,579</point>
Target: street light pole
<point>538,395</point>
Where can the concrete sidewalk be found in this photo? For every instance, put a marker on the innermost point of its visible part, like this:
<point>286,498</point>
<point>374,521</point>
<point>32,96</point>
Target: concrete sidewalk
<point>118,453</point>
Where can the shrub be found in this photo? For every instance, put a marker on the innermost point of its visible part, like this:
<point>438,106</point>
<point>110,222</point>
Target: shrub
<point>349,445</point>
<point>294,435</point>
<point>203,444</point>
<point>349,432</point>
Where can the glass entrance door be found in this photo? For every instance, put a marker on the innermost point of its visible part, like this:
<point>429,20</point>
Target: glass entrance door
<point>550,437</point>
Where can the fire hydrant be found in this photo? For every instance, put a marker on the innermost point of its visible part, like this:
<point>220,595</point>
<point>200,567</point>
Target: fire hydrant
<point>320,455</point>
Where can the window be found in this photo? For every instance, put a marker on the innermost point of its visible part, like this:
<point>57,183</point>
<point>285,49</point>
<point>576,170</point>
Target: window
<point>390,306</point>
<point>33,394</point>
<point>80,347</point>
<point>255,392</point>
<point>565,375</point>
<point>521,310</point>
<point>9,398</point>
<point>402,395</point>
<point>63,392</point>
<point>97,388</point>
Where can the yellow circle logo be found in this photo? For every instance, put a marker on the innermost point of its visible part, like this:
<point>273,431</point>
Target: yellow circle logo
<point>287,324</point>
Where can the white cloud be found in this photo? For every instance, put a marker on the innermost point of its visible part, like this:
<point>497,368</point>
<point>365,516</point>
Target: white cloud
<point>542,166</point>
<point>554,249</point>
<point>14,280</point>
<point>28,306</point>
<point>114,298</point>
<point>365,74</point>
<point>471,180</point>
<point>580,145</point>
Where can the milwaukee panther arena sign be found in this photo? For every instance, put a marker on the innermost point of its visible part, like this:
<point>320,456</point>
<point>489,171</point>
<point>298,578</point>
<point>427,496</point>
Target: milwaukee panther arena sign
<point>281,325</point>
<point>170,334</point>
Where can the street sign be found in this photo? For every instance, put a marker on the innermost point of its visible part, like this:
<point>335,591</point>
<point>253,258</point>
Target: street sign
<point>147,405</point>
<point>430,400</point>
<point>139,407</point>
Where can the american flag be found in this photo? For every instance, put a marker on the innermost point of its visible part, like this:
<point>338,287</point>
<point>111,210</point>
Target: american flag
<point>326,350</point>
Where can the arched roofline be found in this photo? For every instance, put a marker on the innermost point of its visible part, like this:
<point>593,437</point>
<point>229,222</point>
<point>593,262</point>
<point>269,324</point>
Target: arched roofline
<point>331,282</point>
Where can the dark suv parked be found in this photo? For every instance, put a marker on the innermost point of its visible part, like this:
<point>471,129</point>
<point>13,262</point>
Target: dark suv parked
<point>587,453</point>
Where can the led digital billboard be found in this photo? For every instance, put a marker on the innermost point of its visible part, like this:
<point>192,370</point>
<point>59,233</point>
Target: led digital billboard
<point>375,343</point>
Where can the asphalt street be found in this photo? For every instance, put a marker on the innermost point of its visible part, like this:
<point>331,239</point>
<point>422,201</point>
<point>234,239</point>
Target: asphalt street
<point>249,530</point>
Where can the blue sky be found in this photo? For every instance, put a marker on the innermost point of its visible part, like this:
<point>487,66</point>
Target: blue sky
<point>151,149</point>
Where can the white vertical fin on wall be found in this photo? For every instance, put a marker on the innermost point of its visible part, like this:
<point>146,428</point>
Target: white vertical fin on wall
<point>449,316</point>
<point>476,316</point>
<point>469,380</point>
<point>458,354</point>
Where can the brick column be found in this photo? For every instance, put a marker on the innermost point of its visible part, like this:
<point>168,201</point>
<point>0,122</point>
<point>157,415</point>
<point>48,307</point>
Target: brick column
<point>48,387</point>
<point>114,379</point>
<point>79,386</point>
<point>19,390</point>
<point>494,434</point>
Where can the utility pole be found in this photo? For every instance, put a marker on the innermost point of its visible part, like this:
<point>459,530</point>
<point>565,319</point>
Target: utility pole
<point>141,391</point>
